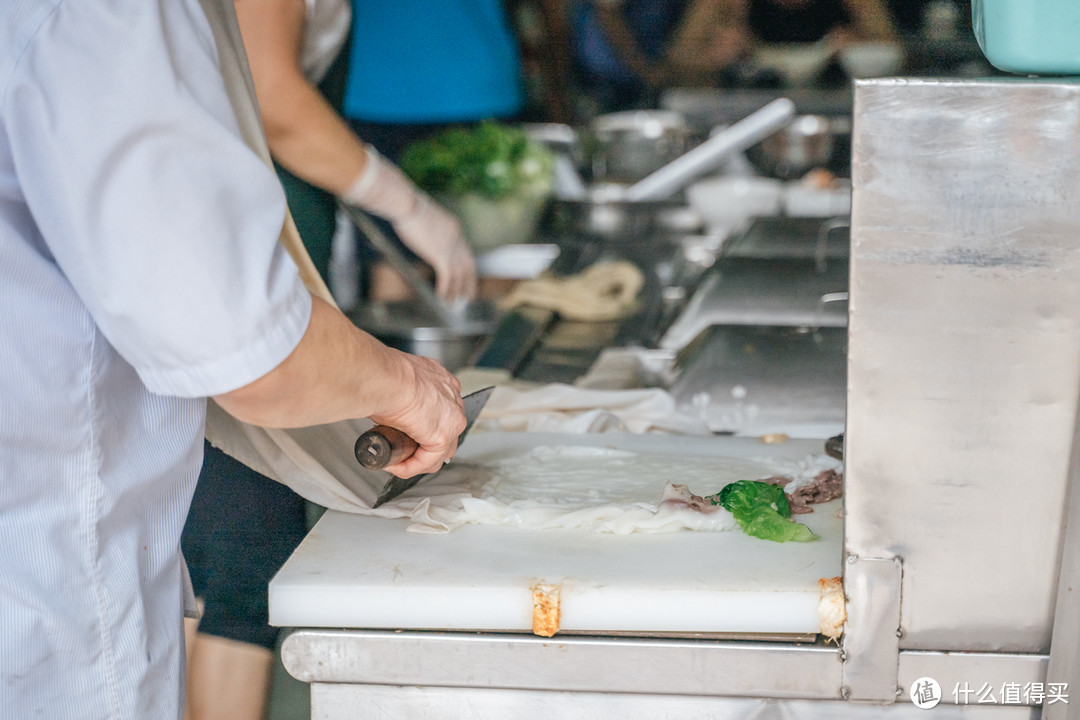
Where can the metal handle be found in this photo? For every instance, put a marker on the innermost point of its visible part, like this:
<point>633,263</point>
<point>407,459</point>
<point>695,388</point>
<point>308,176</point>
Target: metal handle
<point>706,156</point>
<point>382,446</point>
<point>403,267</point>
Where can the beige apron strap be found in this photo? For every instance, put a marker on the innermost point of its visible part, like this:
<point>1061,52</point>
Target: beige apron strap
<point>241,89</point>
<point>315,462</point>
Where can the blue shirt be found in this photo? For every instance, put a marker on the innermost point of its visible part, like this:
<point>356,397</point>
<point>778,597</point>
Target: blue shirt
<point>432,61</point>
<point>651,22</point>
<point>139,273</point>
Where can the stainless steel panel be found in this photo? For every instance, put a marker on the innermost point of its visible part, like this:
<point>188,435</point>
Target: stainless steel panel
<point>964,350</point>
<point>1006,676</point>
<point>779,238</point>
<point>740,291</point>
<point>1064,665</point>
<point>377,702</point>
<point>760,380</point>
<point>687,667</point>
<point>872,631</point>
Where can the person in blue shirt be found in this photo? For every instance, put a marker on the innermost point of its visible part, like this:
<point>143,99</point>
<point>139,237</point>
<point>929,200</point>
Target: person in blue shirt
<point>620,47</point>
<point>417,67</point>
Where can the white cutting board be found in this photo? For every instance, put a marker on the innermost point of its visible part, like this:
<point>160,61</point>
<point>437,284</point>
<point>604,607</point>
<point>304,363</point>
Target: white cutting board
<point>363,572</point>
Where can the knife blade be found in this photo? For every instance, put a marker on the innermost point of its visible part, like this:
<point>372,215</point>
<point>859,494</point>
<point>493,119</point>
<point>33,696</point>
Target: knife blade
<point>382,446</point>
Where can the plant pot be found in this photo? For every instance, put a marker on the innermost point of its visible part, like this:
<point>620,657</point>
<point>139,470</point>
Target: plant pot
<point>489,223</point>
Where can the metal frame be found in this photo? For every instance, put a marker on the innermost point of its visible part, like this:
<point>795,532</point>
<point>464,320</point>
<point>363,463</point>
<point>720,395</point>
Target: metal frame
<point>1064,665</point>
<point>872,632</point>
<point>340,702</point>
<point>485,665</point>
<point>583,664</point>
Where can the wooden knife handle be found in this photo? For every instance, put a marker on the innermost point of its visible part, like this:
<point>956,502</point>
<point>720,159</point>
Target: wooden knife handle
<point>383,445</point>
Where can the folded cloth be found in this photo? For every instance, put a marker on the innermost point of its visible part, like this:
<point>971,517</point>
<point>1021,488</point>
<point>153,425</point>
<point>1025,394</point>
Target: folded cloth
<point>567,409</point>
<point>604,291</point>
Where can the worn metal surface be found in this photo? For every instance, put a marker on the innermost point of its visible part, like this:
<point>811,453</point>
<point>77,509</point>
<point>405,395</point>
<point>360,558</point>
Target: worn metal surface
<point>765,292</point>
<point>760,380</point>
<point>1064,665</point>
<point>587,664</point>
<point>964,350</point>
<point>376,702</point>
<point>872,632</point>
<point>782,237</point>
<point>974,678</point>
<point>489,676</point>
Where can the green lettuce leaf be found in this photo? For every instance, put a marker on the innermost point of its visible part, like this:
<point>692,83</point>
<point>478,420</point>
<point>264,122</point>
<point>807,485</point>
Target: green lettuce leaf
<point>762,511</point>
<point>491,159</point>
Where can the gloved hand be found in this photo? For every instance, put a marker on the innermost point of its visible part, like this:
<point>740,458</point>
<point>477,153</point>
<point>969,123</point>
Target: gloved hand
<point>429,230</point>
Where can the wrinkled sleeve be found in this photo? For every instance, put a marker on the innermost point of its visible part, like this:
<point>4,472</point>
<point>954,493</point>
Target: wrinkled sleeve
<point>164,222</point>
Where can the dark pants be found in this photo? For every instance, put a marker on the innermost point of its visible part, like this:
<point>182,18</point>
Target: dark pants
<point>241,529</point>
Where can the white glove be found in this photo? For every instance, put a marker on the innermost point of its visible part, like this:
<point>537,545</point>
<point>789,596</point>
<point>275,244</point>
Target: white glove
<point>429,230</point>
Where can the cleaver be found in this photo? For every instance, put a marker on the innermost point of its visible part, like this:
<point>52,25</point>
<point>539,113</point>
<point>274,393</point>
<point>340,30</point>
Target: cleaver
<point>382,445</point>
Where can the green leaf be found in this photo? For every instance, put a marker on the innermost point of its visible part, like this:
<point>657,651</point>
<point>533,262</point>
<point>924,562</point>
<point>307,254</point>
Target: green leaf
<point>762,511</point>
<point>491,159</point>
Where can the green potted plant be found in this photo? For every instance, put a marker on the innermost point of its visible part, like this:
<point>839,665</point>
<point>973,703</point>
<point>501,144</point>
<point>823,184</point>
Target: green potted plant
<point>492,176</point>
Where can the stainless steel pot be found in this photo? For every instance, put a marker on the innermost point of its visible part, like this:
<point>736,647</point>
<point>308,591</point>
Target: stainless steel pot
<point>406,326</point>
<point>608,216</point>
<point>627,146</point>
<point>806,143</point>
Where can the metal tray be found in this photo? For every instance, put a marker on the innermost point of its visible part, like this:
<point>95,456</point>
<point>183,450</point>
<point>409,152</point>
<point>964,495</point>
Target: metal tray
<point>781,293</point>
<point>762,380</point>
<point>773,238</point>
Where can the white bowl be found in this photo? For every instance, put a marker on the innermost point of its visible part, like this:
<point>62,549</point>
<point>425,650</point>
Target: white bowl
<point>797,63</point>
<point>802,201</point>
<point>727,203</point>
<point>871,59</point>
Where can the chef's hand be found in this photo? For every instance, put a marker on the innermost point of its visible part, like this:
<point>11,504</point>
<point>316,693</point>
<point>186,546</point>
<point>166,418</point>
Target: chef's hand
<point>429,230</point>
<point>435,235</point>
<point>430,410</point>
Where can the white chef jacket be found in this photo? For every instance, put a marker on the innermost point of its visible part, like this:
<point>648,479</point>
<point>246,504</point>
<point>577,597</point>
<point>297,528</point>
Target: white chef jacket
<point>326,29</point>
<point>139,272</point>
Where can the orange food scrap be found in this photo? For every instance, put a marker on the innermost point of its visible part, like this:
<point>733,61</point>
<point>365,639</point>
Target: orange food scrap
<point>545,619</point>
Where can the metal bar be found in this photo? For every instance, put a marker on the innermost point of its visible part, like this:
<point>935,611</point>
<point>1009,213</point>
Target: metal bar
<point>1064,666</point>
<point>525,662</point>
<point>378,702</point>
<point>488,672</point>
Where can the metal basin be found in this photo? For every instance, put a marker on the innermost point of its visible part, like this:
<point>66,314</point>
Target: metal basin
<point>407,327</point>
<point>807,143</point>
<point>605,213</point>
<point>628,146</point>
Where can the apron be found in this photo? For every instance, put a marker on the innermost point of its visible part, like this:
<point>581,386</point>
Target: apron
<point>316,462</point>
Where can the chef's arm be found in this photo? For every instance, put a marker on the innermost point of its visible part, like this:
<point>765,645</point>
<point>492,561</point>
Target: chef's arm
<point>712,35</point>
<point>312,141</point>
<point>338,372</point>
<point>305,134</point>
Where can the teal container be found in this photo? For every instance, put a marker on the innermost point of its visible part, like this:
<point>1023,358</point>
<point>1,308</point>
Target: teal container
<point>1029,37</point>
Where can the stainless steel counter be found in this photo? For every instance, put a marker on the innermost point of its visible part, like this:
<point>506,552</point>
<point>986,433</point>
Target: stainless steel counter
<point>961,452</point>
